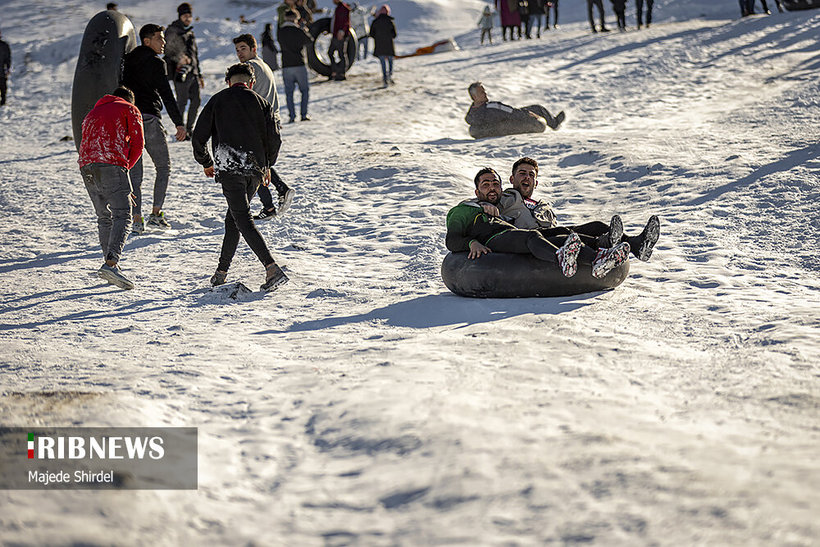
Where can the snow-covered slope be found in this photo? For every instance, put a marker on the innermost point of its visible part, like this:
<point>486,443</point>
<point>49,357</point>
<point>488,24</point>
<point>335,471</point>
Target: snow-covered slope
<point>364,404</point>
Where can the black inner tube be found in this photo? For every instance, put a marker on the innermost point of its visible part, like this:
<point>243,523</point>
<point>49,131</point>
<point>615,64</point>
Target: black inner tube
<point>318,53</point>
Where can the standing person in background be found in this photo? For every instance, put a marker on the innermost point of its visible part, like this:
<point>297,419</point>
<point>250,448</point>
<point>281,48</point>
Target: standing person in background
<point>245,140</point>
<point>536,16</point>
<point>554,5</point>
<point>619,7</point>
<point>524,13</point>
<point>144,74</point>
<point>269,49</point>
<point>600,5</point>
<point>358,20</point>
<point>508,10</point>
<point>639,9</point>
<point>485,23</point>
<point>340,32</point>
<point>182,57</point>
<point>383,31</point>
<point>112,141</point>
<point>5,69</point>
<point>293,40</point>
<point>264,85</point>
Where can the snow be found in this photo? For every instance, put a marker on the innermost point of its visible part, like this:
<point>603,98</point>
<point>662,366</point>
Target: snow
<point>363,403</point>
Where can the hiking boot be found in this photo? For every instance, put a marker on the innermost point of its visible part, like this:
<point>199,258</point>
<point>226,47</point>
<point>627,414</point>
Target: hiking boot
<point>649,236</point>
<point>557,120</point>
<point>613,236</point>
<point>568,255</point>
<point>218,278</point>
<point>275,278</point>
<point>265,214</point>
<point>138,228</point>
<point>607,259</point>
<point>114,276</point>
<point>158,221</point>
<point>285,200</point>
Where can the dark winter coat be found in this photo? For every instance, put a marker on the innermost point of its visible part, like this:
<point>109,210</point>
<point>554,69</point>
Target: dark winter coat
<point>180,40</point>
<point>383,30</point>
<point>293,41</point>
<point>340,19</point>
<point>5,58</point>
<point>494,119</point>
<point>537,7</point>
<point>509,12</point>
<point>144,73</point>
<point>269,50</point>
<point>243,133</point>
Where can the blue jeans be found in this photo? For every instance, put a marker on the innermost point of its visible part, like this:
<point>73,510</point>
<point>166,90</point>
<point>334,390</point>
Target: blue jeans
<point>157,148</point>
<point>293,76</point>
<point>109,189</point>
<point>387,67</point>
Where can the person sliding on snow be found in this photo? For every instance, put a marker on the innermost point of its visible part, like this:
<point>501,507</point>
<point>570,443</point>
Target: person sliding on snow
<point>517,205</point>
<point>471,229</point>
<point>245,141</point>
<point>112,141</point>
<point>492,118</point>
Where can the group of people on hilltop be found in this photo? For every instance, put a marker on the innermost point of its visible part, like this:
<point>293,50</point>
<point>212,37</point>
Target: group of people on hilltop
<point>520,17</point>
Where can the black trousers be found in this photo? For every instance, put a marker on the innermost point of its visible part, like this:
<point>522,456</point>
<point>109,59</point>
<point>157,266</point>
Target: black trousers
<point>338,64</point>
<point>589,232</point>
<point>3,88</point>
<point>238,190</point>
<point>639,7</point>
<point>540,110</point>
<point>264,192</point>
<point>533,242</point>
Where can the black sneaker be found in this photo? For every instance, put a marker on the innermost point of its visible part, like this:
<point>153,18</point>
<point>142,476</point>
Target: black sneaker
<point>558,120</point>
<point>305,118</point>
<point>613,236</point>
<point>265,214</point>
<point>649,236</point>
<point>275,278</point>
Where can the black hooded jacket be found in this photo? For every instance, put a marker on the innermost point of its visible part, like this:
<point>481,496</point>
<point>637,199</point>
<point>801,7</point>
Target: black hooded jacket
<point>243,132</point>
<point>383,30</point>
<point>144,74</point>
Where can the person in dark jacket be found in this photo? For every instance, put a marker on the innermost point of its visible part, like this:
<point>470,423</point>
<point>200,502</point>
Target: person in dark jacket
<point>112,141</point>
<point>471,229</point>
<point>600,5</point>
<point>269,49</point>
<point>144,74</point>
<point>554,5</point>
<point>639,12</point>
<point>182,57</point>
<point>340,34</point>
<point>619,7</point>
<point>536,16</point>
<point>383,31</point>
<point>492,118</point>
<point>245,141</point>
<point>5,69</point>
<point>293,40</point>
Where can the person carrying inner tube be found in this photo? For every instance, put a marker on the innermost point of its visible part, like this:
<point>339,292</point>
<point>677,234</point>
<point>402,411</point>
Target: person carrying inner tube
<point>488,118</point>
<point>517,204</point>
<point>470,229</point>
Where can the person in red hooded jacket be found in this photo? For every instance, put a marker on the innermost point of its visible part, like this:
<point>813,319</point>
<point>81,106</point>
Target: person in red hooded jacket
<point>340,34</point>
<point>112,142</point>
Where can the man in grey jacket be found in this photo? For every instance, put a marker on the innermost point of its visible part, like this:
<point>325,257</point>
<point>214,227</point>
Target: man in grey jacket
<point>265,86</point>
<point>517,205</point>
<point>182,58</point>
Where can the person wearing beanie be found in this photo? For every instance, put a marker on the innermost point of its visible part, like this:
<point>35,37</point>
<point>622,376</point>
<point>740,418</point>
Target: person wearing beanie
<point>182,59</point>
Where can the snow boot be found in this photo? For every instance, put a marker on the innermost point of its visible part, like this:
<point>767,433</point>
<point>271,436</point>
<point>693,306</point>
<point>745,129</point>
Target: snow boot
<point>607,259</point>
<point>275,278</point>
<point>218,278</point>
<point>568,255</point>
<point>643,244</point>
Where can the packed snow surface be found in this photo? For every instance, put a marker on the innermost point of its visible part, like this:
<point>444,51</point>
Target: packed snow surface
<point>362,403</point>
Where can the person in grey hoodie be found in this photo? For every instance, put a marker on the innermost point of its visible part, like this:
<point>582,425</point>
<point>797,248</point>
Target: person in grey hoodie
<point>182,58</point>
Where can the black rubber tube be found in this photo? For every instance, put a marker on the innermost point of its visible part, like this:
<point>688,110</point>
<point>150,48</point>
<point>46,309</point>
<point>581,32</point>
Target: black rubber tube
<point>317,29</point>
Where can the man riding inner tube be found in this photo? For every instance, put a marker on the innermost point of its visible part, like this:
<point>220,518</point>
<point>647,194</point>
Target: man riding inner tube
<point>493,119</point>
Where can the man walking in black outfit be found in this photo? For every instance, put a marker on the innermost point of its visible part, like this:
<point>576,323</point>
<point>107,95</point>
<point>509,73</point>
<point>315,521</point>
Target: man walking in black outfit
<point>182,57</point>
<point>5,69</point>
<point>144,74</point>
<point>245,141</point>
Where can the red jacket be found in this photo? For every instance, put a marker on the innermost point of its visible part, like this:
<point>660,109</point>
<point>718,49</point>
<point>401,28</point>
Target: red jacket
<point>341,19</point>
<point>112,133</point>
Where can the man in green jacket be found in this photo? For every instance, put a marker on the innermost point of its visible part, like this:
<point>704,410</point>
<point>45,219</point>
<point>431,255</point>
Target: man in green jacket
<point>471,229</point>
